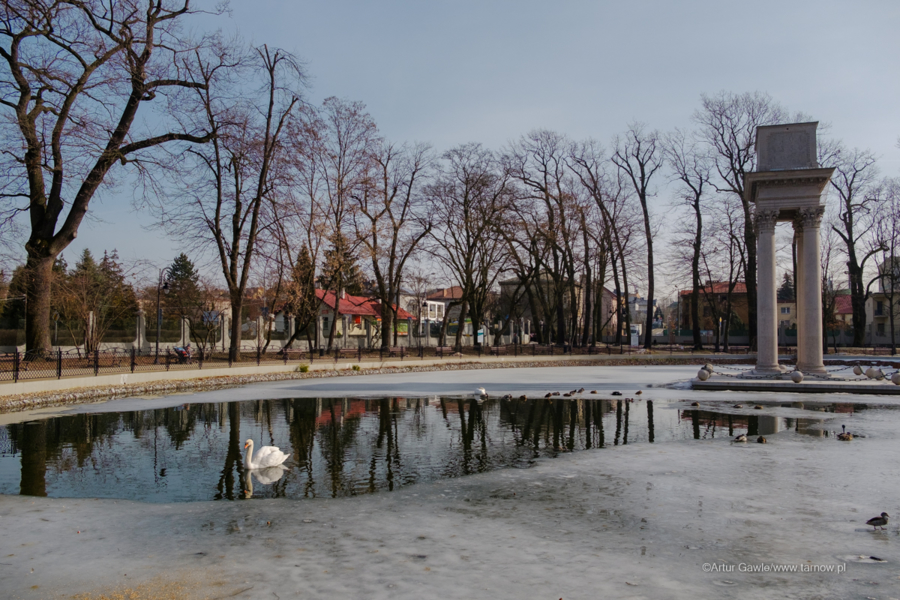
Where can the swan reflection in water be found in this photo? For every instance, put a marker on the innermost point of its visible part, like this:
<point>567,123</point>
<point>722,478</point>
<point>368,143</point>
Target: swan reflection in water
<point>265,476</point>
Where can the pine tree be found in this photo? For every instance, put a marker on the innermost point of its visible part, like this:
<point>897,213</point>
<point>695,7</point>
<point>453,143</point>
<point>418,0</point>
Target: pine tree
<point>183,293</point>
<point>786,291</point>
<point>340,271</point>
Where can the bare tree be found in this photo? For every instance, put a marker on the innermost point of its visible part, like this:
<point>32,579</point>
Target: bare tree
<point>854,181</point>
<point>468,197</point>
<point>728,123</point>
<point>639,156</point>
<point>538,164</point>
<point>225,189</point>
<point>887,242</point>
<point>74,76</point>
<point>691,168</point>
<point>390,222</point>
<point>345,160</point>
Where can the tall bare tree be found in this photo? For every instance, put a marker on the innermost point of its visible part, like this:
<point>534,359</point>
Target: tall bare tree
<point>74,77</point>
<point>691,168</point>
<point>225,190</point>
<point>345,160</point>
<point>467,199</point>
<point>639,156</point>
<point>390,221</point>
<point>728,123</point>
<point>855,183</point>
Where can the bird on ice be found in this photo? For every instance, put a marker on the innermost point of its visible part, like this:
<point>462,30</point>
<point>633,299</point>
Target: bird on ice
<point>878,521</point>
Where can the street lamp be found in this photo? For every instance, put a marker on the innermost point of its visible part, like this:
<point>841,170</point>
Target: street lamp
<point>162,285</point>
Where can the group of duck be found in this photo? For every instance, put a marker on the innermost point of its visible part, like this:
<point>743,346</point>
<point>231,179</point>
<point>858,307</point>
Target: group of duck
<point>481,393</point>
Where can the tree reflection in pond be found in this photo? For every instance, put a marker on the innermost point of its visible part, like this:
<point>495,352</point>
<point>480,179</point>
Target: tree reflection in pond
<point>338,446</point>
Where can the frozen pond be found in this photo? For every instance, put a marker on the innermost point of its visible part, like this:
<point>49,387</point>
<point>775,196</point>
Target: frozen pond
<point>346,446</point>
<point>689,514</point>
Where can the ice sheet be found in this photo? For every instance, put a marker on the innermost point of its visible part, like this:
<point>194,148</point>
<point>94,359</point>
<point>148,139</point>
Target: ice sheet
<point>636,521</point>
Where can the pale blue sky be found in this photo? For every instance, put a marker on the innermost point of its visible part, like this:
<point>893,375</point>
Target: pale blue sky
<point>489,71</point>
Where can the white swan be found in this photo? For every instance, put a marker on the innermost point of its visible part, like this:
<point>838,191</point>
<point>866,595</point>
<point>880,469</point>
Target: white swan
<point>480,392</point>
<point>267,456</point>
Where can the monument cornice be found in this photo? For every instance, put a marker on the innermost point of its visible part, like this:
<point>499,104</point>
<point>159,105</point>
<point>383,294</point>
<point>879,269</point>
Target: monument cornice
<point>794,177</point>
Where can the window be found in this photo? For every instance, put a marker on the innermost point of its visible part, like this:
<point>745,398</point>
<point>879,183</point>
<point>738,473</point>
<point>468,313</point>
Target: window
<point>879,328</point>
<point>785,310</point>
<point>879,308</point>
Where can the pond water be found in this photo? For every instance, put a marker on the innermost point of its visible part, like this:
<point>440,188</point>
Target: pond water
<point>340,446</point>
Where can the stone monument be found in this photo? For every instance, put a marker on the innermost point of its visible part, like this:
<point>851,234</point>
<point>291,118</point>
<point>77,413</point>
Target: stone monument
<point>788,186</point>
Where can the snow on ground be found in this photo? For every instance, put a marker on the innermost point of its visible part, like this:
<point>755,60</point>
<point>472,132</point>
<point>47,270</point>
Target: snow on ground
<point>632,521</point>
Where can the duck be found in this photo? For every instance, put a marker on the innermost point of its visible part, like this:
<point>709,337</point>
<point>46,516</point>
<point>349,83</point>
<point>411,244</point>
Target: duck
<point>878,521</point>
<point>738,406</point>
<point>580,390</point>
<point>593,391</point>
<point>638,393</point>
<point>567,395</point>
<point>757,407</point>
<point>695,404</point>
<point>741,438</point>
<point>523,397</point>
<point>555,394</point>
<point>761,440</point>
<point>506,397</point>
<point>265,457</point>
<point>844,436</point>
<point>616,394</point>
<point>548,395</point>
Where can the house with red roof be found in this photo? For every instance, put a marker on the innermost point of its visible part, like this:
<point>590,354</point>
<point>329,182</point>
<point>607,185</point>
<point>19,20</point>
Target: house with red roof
<point>359,319</point>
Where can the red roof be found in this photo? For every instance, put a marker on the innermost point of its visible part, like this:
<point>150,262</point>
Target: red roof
<point>357,305</point>
<point>720,287</point>
<point>843,305</point>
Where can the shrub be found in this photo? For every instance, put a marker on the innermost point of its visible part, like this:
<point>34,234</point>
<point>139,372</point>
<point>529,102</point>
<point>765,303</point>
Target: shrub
<point>303,368</point>
<point>356,367</point>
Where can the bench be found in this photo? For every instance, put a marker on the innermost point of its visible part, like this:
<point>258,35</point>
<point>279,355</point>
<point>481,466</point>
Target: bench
<point>499,350</point>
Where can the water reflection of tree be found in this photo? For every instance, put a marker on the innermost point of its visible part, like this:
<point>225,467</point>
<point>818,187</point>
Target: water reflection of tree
<point>233,470</point>
<point>336,437</point>
<point>303,439</point>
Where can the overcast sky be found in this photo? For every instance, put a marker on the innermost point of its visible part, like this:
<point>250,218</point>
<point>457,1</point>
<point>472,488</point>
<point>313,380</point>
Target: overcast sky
<point>488,71</point>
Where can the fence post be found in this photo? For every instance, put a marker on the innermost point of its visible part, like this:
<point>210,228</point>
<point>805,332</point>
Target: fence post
<point>200,360</point>
<point>401,352</point>
<point>16,365</point>
<point>58,363</point>
<point>168,357</point>
<point>337,355</point>
<point>258,355</point>
<point>96,362</point>
<point>359,353</point>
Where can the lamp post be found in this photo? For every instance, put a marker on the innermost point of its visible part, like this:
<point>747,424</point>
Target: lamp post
<point>161,286</point>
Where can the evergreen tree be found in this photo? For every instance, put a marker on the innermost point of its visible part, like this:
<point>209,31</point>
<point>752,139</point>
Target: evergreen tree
<point>301,299</point>
<point>786,291</point>
<point>340,271</point>
<point>94,298</point>
<point>183,281</point>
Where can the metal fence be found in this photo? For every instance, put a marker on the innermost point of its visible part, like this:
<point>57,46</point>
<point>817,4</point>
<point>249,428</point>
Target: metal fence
<point>20,366</point>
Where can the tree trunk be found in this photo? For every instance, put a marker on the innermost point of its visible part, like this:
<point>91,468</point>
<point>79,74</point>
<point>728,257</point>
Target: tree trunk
<point>234,349</point>
<point>387,325</point>
<point>37,304</point>
<point>463,313</point>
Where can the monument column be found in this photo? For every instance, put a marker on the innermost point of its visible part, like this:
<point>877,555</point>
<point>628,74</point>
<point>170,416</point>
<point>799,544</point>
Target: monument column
<point>798,285</point>
<point>767,294</point>
<point>810,334</point>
